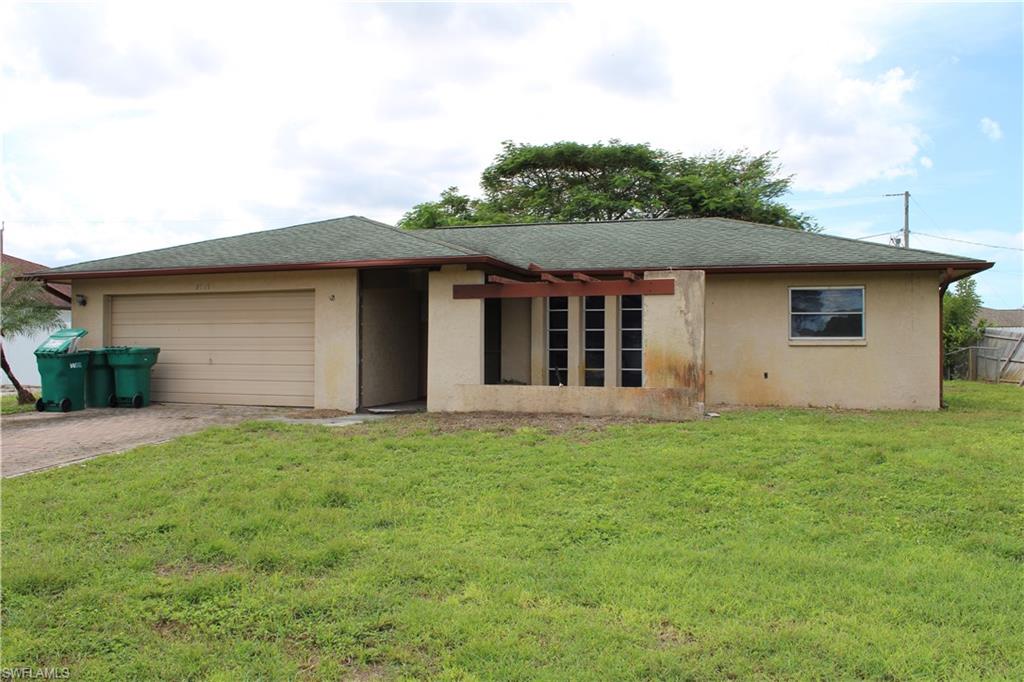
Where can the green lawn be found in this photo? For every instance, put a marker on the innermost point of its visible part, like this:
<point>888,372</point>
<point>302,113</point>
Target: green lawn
<point>9,405</point>
<point>764,544</point>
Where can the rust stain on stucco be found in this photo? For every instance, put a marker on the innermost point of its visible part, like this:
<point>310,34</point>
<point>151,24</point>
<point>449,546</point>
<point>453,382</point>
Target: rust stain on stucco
<point>667,369</point>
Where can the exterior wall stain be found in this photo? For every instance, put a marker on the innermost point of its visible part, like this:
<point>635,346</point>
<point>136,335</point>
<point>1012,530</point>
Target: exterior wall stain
<point>674,334</point>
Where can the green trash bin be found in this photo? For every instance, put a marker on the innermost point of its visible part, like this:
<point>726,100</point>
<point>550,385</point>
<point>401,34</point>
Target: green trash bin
<point>62,369</point>
<point>99,380</point>
<point>131,373</point>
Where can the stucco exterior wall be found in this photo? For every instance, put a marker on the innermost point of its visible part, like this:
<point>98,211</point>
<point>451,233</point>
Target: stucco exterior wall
<point>594,401</point>
<point>674,334</point>
<point>515,339</point>
<point>335,300</point>
<point>455,341</point>
<point>751,361</point>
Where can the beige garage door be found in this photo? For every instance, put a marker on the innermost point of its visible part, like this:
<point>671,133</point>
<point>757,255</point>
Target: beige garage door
<point>234,349</point>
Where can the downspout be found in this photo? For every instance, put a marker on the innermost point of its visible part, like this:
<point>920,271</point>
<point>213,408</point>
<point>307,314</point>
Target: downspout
<point>944,282</point>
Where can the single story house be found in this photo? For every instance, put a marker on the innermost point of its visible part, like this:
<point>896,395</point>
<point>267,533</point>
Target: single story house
<point>640,317</point>
<point>20,350</point>
<point>1006,319</point>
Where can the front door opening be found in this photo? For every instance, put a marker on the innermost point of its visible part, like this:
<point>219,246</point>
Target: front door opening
<point>393,339</point>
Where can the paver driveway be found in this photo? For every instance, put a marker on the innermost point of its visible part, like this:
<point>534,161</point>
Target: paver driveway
<point>33,441</point>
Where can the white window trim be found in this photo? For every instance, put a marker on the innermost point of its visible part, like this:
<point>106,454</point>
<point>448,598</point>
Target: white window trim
<point>547,343</point>
<point>828,340</point>
<point>586,349</point>
<point>642,371</point>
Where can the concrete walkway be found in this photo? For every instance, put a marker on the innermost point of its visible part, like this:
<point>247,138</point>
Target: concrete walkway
<point>35,441</point>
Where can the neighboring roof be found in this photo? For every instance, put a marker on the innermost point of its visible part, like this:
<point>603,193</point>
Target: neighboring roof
<point>702,243</point>
<point>60,297</point>
<point>1013,317</point>
<point>674,243</point>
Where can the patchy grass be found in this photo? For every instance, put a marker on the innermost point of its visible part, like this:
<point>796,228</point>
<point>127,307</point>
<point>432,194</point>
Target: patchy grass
<point>9,405</point>
<point>772,543</point>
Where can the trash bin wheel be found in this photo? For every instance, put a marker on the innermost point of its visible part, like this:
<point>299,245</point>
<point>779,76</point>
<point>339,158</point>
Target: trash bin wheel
<point>137,400</point>
<point>65,405</point>
<point>40,405</point>
<point>111,400</point>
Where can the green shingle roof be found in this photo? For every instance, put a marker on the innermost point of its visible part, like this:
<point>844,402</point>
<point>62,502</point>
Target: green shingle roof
<point>631,244</point>
<point>673,243</point>
<point>343,239</point>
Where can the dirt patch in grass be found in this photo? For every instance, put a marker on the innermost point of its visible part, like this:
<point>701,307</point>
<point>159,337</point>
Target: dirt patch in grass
<point>366,674</point>
<point>190,569</point>
<point>315,414</point>
<point>436,423</point>
<point>168,628</point>
<point>669,636</point>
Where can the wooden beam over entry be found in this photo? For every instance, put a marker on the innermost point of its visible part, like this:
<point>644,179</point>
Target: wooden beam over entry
<point>498,279</point>
<point>615,287</point>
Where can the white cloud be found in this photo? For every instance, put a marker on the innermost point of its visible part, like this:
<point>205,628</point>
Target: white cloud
<point>991,129</point>
<point>179,122</point>
<point>927,162</point>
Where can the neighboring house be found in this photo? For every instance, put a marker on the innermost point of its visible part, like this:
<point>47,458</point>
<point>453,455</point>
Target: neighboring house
<point>20,350</point>
<point>646,317</point>
<point>1006,319</point>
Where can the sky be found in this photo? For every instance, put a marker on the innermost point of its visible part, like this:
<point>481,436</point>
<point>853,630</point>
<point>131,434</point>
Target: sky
<point>133,126</point>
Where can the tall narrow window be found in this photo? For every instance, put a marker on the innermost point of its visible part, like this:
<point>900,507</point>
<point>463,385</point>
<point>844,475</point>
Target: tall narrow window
<point>558,340</point>
<point>631,340</point>
<point>492,341</point>
<point>593,341</point>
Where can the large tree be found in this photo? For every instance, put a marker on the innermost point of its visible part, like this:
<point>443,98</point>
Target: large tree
<point>26,310</point>
<point>569,181</point>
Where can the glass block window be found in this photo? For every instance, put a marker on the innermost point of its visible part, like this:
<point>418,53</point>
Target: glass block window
<point>631,340</point>
<point>558,341</point>
<point>593,341</point>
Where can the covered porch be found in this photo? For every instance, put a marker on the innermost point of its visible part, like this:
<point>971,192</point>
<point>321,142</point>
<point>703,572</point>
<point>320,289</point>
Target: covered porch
<point>622,343</point>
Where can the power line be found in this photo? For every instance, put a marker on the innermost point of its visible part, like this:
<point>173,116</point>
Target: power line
<point>967,241</point>
<point>954,239</point>
<point>872,236</point>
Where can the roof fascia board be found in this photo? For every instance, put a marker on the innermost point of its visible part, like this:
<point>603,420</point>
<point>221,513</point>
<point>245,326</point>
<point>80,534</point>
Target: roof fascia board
<point>490,261</point>
<point>971,266</point>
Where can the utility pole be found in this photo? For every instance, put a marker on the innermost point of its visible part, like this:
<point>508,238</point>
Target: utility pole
<point>906,217</point>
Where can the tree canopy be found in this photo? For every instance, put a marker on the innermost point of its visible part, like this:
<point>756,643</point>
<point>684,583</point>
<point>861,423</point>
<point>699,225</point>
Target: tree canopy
<point>570,181</point>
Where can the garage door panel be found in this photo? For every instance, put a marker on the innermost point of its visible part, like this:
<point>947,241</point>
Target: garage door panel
<point>245,343</point>
<point>191,330</point>
<point>267,358</point>
<point>239,348</point>
<point>232,399</point>
<point>269,301</point>
<point>254,387</point>
<point>164,370</point>
<point>232,316</point>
